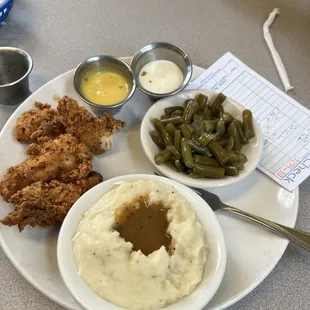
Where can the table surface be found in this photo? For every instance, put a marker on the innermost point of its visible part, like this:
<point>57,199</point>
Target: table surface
<point>60,34</point>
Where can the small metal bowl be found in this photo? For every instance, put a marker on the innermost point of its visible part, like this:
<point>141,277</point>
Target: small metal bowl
<point>105,62</point>
<point>162,51</point>
<point>15,67</point>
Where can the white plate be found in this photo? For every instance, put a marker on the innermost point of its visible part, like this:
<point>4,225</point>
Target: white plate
<point>253,150</point>
<point>213,272</point>
<point>252,252</point>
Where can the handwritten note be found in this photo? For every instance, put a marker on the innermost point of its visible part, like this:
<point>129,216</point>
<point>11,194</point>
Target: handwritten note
<point>284,122</point>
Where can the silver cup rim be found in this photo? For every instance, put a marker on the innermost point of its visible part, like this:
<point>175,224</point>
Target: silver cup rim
<point>29,59</point>
<point>186,57</point>
<point>112,106</point>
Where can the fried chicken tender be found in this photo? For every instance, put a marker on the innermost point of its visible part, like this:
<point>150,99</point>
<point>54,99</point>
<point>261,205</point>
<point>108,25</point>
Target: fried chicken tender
<point>64,158</point>
<point>95,132</point>
<point>41,124</point>
<point>46,204</point>
<point>44,123</point>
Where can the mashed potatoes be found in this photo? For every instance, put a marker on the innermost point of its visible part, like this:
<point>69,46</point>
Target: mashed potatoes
<point>128,278</point>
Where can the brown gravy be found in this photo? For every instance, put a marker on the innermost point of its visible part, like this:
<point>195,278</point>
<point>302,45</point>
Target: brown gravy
<point>144,225</point>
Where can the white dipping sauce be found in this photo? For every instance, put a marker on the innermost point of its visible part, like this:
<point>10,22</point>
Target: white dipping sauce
<point>161,76</point>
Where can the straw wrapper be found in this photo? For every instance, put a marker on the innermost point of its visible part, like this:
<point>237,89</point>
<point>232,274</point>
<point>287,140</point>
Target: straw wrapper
<point>275,55</point>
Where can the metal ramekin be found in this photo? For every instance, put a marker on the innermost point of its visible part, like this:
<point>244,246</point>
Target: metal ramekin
<point>103,61</point>
<point>15,67</point>
<point>162,51</point>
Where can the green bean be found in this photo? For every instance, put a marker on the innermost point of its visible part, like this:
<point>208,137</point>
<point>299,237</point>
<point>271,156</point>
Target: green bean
<point>239,166</point>
<point>174,151</point>
<point>207,113</point>
<point>233,157</point>
<point>161,129</point>
<point>209,171</point>
<point>179,165</point>
<point>236,157</point>
<point>243,139</point>
<point>227,117</point>
<point>202,101</point>
<point>187,154</point>
<point>171,129</point>
<point>210,125</point>
<point>242,158</point>
<point>157,139</point>
<point>170,110</point>
<point>162,157</point>
<point>200,114</point>
<point>195,136</point>
<point>188,101</point>
<point>216,107</point>
<point>205,138</point>
<point>164,117</point>
<point>198,148</point>
<point>186,131</point>
<point>220,129</point>
<point>191,128</point>
<point>230,144</point>
<point>234,133</point>
<point>248,124</point>
<point>231,170</point>
<point>222,142</point>
<point>205,160</point>
<point>190,110</point>
<point>240,123</point>
<point>177,140</point>
<point>171,166</point>
<point>198,124</point>
<point>218,152</point>
<point>175,120</point>
<point>193,175</point>
<point>177,113</point>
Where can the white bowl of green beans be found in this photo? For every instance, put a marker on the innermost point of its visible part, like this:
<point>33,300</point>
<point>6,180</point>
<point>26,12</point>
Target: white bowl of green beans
<point>202,139</point>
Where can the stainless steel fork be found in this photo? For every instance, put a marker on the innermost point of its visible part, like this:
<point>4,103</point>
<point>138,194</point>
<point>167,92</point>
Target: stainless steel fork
<point>298,237</point>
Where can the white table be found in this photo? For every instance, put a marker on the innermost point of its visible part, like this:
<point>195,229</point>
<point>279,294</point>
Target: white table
<point>60,34</point>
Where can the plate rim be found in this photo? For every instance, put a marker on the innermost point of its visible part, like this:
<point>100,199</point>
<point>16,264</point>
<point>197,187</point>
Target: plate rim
<point>55,298</point>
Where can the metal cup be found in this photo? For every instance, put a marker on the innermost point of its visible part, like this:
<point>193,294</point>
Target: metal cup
<point>162,51</point>
<point>15,67</point>
<point>106,62</point>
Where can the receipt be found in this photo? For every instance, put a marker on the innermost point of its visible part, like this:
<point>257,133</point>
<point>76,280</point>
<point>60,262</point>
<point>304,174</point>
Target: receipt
<point>284,122</point>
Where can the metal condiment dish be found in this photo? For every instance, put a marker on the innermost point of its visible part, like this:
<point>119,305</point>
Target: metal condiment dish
<point>15,67</point>
<point>162,51</point>
<point>108,62</point>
